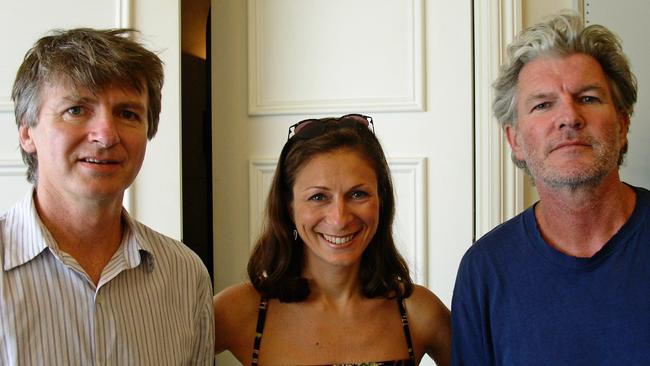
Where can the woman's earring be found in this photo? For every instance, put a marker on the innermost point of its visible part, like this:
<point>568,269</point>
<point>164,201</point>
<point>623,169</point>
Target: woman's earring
<point>295,235</point>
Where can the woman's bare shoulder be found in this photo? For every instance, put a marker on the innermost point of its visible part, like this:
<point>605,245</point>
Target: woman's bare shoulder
<point>423,300</point>
<point>425,308</point>
<point>235,315</point>
<point>236,303</point>
<point>240,293</point>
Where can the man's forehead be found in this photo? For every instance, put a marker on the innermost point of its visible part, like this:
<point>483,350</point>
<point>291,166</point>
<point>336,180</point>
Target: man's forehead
<point>65,86</point>
<point>573,73</point>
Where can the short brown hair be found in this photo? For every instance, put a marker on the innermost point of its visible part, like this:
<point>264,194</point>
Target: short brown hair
<point>89,58</point>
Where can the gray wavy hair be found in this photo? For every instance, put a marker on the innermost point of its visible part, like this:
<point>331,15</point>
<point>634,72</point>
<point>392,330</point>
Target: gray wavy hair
<point>562,35</point>
<point>87,58</point>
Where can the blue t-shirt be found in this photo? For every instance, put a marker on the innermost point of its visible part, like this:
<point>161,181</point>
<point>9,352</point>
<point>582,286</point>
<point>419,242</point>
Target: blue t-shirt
<point>517,301</point>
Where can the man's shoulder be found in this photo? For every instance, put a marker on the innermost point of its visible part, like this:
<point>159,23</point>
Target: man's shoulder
<point>18,225</point>
<point>504,235</point>
<point>643,195</point>
<point>498,255</point>
<point>19,212</point>
<point>162,245</point>
<point>506,243</point>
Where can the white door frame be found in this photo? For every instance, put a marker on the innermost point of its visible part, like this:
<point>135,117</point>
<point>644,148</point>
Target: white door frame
<point>499,184</point>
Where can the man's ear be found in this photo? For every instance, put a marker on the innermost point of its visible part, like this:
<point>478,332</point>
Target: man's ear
<point>512,135</point>
<point>25,138</point>
<point>624,121</point>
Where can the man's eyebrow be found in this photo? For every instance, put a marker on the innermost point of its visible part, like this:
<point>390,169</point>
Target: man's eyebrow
<point>543,95</point>
<point>140,107</point>
<point>591,87</point>
<point>74,98</point>
<point>538,96</point>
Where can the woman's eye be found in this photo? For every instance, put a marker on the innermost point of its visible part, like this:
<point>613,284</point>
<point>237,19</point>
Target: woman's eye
<point>317,197</point>
<point>359,194</point>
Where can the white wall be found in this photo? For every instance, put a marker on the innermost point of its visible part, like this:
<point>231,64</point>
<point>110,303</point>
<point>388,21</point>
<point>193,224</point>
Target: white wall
<point>158,195</point>
<point>536,10</point>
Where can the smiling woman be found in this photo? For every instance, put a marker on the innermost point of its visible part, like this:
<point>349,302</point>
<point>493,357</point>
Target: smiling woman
<point>335,208</point>
<point>327,283</point>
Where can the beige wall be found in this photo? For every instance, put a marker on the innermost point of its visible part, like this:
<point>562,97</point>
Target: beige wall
<point>532,12</point>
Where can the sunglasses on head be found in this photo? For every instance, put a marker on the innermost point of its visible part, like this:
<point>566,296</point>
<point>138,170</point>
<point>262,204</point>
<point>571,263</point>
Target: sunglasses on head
<point>310,128</point>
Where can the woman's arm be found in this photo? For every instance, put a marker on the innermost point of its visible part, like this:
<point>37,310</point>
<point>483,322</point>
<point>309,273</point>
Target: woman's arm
<point>430,324</point>
<point>235,315</point>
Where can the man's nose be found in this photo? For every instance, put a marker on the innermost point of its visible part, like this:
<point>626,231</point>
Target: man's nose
<point>103,130</point>
<point>569,115</point>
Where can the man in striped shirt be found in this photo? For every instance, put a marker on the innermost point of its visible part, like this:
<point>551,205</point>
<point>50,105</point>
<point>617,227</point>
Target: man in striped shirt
<point>82,283</point>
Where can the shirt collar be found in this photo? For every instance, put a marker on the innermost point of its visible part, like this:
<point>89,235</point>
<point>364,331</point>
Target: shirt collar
<point>23,233</point>
<point>136,248</point>
<point>34,237</point>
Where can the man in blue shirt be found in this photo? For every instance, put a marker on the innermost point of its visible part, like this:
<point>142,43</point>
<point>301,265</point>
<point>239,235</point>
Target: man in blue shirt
<point>565,282</point>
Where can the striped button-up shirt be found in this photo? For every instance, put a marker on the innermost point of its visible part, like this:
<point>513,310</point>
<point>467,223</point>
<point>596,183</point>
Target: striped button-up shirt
<point>152,305</point>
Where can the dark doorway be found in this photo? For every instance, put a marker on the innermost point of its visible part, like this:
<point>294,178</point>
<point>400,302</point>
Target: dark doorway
<point>196,129</point>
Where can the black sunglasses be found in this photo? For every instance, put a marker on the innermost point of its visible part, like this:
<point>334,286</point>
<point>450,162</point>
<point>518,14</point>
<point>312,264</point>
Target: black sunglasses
<point>310,128</point>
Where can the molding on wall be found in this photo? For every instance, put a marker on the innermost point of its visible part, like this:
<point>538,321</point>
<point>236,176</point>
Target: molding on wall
<point>6,105</point>
<point>260,104</point>
<point>260,174</point>
<point>413,171</point>
<point>409,177</point>
<point>123,12</point>
<point>331,106</point>
<point>579,7</point>
<point>12,167</point>
<point>499,184</point>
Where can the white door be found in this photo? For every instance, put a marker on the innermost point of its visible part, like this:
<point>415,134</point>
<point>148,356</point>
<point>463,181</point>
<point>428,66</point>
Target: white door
<point>406,63</point>
<point>156,197</point>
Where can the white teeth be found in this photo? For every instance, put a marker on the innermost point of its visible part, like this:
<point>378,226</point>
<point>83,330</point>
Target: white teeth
<point>338,240</point>
<point>95,161</point>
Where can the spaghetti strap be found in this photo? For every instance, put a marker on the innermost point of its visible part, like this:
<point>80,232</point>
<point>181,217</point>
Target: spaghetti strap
<point>261,318</point>
<point>407,332</point>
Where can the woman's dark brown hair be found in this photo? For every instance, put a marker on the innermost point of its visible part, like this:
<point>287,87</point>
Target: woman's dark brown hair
<point>275,267</point>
